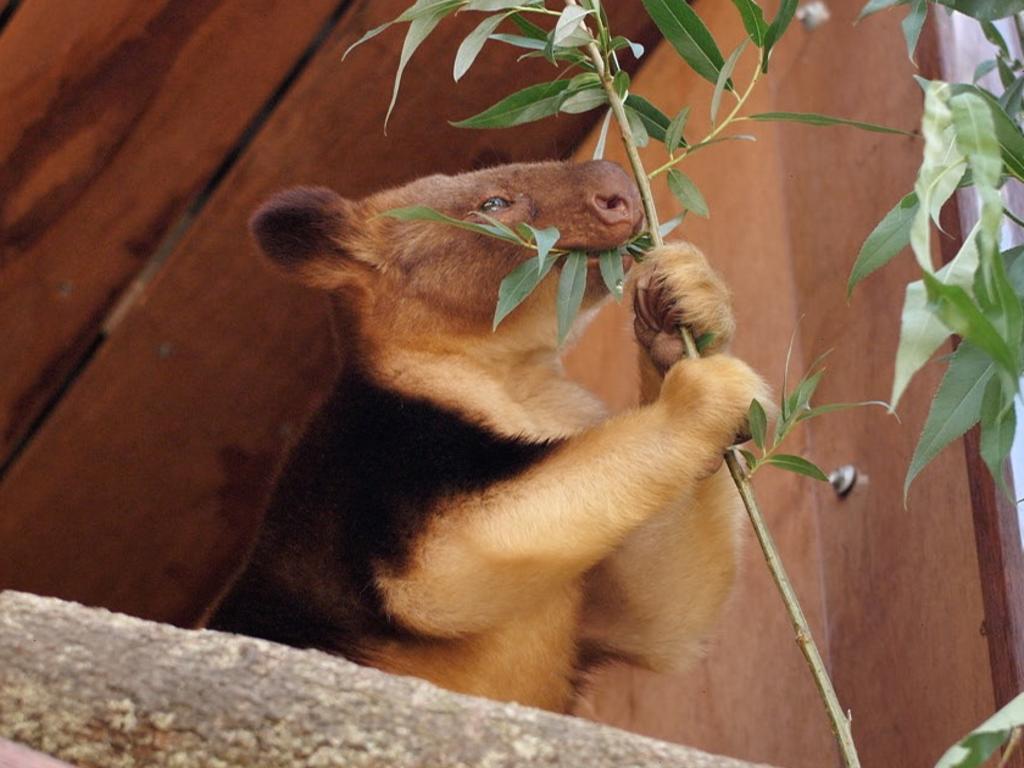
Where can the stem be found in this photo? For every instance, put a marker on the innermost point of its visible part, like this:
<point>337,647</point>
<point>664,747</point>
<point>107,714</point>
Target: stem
<point>730,118</point>
<point>840,722</point>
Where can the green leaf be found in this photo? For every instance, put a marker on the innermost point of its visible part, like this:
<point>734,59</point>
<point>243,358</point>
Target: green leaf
<point>983,69</point>
<point>517,285</point>
<point>704,341</point>
<point>419,28</point>
<point>1012,100</point>
<point>810,118</point>
<point>488,6</point>
<point>473,44</point>
<point>567,28</point>
<point>621,83</point>
<point>637,127</point>
<point>687,193</point>
<point>750,459</point>
<point>529,29</point>
<point>887,239</point>
<point>723,81</point>
<point>976,139</point>
<point>981,743</point>
<point>912,24</point>
<point>520,41</point>
<point>753,20</point>
<point>986,10</point>
<point>874,6</point>
<point>998,424</point>
<point>685,32</point>
<point>545,240</point>
<point>940,154</point>
<point>368,36</point>
<point>921,332</point>
<point>821,410</point>
<point>956,407</point>
<point>423,213</point>
<point>602,137</point>
<point>758,422</point>
<point>776,29</point>
<point>957,310</point>
<point>1009,136</point>
<point>532,103</point>
<point>612,271</point>
<point>796,464</point>
<point>584,101</point>
<point>624,42</point>
<point>571,285</point>
<point>655,121</point>
<point>801,396</point>
<point>667,227</point>
<point>674,134</point>
<point>994,36</point>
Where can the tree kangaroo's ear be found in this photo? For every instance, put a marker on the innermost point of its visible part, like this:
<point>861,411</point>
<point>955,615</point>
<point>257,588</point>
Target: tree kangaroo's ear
<point>303,231</point>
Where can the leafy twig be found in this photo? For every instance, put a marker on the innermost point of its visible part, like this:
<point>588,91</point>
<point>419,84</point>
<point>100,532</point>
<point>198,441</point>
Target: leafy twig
<point>840,721</point>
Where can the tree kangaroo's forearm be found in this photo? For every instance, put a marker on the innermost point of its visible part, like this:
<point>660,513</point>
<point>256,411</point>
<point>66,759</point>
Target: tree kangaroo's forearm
<point>503,550</point>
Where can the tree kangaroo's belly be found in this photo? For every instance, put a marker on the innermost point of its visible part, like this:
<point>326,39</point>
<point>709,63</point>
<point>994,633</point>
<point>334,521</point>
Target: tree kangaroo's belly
<point>529,659</point>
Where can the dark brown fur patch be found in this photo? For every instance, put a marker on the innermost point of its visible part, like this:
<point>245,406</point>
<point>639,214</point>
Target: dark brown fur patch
<point>356,492</point>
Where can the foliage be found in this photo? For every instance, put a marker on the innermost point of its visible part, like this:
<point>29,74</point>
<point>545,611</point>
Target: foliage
<point>973,140</point>
<point>577,87</point>
<point>794,407</point>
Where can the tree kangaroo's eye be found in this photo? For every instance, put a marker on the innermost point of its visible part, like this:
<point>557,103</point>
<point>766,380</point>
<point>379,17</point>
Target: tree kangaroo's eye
<point>494,204</point>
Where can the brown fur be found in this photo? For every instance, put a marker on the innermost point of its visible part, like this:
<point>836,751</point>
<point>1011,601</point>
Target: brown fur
<point>619,538</point>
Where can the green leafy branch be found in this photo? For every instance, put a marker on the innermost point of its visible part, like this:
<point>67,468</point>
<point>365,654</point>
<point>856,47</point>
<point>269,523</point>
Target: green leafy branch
<point>973,140</point>
<point>794,408</point>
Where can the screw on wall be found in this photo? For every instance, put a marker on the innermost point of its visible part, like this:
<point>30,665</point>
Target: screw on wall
<point>813,14</point>
<point>843,479</point>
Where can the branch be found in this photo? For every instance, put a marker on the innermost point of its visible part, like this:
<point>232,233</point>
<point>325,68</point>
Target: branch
<point>100,689</point>
<point>840,722</point>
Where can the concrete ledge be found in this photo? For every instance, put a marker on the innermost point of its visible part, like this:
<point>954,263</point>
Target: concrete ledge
<point>96,688</point>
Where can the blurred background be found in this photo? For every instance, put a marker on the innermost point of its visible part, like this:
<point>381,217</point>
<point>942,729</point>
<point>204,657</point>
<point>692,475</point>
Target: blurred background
<point>153,369</point>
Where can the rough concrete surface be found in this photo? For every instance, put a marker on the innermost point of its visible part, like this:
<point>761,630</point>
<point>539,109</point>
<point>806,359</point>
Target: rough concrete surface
<point>96,688</point>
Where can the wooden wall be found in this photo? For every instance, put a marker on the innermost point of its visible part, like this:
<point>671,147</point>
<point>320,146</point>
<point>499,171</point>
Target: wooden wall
<point>152,370</point>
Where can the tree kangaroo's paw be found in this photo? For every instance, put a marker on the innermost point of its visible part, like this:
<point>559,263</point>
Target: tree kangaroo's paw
<point>675,286</point>
<point>711,396</point>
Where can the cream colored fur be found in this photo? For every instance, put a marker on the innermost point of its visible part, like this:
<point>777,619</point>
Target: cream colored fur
<point>624,538</point>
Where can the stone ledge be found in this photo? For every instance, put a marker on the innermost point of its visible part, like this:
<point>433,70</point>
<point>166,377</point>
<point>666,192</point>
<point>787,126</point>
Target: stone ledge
<point>96,688</point>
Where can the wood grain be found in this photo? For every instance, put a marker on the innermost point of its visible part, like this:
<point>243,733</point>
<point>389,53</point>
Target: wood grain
<point>752,696</point>
<point>111,118</point>
<point>902,586</point>
<point>146,483</point>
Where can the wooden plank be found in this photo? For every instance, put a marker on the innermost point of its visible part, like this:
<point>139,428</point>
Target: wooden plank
<point>111,118</point>
<point>751,696</point>
<point>142,489</point>
<point>904,602</point>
